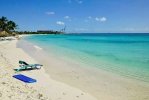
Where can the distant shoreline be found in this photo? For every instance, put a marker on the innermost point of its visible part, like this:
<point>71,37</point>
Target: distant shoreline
<point>39,32</point>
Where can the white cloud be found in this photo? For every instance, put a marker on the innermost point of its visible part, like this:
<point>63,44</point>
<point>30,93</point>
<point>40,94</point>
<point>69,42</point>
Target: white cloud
<point>50,13</point>
<point>60,23</point>
<point>89,17</point>
<point>97,19</point>
<point>67,17</point>
<point>78,1</point>
<point>101,19</point>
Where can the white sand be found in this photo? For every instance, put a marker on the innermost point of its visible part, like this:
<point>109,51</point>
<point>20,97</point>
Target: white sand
<point>104,85</point>
<point>44,89</point>
<point>93,83</point>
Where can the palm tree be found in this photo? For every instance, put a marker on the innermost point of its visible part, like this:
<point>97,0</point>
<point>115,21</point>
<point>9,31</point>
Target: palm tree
<point>6,25</point>
<point>11,26</point>
<point>3,23</point>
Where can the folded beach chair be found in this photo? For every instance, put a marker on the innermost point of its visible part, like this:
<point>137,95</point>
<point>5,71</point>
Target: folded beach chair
<point>25,66</point>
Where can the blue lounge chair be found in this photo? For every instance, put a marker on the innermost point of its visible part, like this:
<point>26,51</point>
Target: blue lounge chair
<point>24,78</point>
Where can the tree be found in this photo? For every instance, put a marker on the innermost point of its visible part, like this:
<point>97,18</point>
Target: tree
<point>3,23</point>
<point>11,26</point>
<point>6,25</point>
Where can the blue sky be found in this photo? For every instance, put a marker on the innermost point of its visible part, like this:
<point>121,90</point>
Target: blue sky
<point>78,15</point>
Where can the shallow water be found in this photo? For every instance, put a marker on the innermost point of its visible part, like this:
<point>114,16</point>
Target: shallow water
<point>122,54</point>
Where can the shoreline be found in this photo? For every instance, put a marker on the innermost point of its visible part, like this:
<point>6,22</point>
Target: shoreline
<point>99,83</point>
<point>45,88</point>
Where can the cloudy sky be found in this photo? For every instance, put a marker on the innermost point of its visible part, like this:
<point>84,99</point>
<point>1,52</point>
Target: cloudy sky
<point>78,15</point>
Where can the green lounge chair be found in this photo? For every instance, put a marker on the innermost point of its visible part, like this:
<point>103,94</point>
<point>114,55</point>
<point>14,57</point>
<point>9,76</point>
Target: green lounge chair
<point>25,66</point>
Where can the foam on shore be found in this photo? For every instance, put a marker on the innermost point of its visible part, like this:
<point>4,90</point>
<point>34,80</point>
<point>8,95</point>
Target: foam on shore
<point>37,47</point>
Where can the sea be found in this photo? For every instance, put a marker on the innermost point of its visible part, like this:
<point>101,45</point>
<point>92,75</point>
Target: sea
<point>125,54</point>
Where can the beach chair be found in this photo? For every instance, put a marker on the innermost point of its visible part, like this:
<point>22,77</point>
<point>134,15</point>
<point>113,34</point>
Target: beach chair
<point>25,66</point>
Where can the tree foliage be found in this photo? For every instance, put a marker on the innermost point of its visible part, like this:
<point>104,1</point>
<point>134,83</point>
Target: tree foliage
<point>7,25</point>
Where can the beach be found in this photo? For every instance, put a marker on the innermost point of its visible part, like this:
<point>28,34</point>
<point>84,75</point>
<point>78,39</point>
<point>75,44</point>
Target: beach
<point>74,50</point>
<point>44,89</point>
<point>61,79</point>
<point>72,59</point>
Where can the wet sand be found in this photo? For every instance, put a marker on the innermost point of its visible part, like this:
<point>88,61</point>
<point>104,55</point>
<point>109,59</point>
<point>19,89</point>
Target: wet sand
<point>101,84</point>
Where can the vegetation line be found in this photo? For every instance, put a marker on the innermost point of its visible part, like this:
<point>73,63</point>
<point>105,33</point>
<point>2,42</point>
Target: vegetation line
<point>8,28</point>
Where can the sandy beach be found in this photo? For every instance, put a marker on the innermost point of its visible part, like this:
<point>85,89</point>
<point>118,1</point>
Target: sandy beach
<point>44,89</point>
<point>62,80</point>
<point>74,50</point>
<point>100,83</point>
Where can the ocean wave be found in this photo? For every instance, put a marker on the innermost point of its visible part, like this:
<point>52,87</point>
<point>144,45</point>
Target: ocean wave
<point>37,47</point>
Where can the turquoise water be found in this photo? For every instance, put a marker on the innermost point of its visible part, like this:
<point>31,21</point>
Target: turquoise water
<point>124,54</point>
